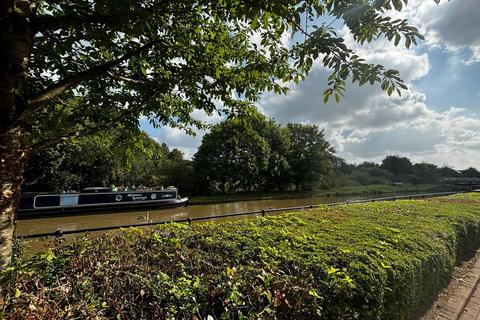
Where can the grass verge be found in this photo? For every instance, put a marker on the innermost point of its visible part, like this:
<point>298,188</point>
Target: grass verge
<point>365,261</point>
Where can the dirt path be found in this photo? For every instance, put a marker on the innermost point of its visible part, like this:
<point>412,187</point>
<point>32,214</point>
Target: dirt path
<point>461,299</point>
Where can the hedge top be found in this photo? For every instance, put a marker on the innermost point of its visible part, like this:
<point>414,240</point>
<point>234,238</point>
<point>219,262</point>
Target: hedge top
<point>383,260</point>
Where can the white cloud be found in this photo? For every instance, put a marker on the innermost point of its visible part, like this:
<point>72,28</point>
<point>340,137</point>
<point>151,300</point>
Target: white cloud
<point>367,124</point>
<point>411,64</point>
<point>177,138</point>
<point>453,25</point>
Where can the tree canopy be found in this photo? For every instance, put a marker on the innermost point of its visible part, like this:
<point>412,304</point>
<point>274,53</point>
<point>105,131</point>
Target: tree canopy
<point>107,159</point>
<point>256,154</point>
<point>98,63</point>
<point>310,155</point>
<point>71,68</point>
<point>232,157</point>
<point>398,166</point>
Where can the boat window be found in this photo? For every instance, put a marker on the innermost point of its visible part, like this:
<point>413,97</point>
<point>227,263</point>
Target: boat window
<point>68,200</point>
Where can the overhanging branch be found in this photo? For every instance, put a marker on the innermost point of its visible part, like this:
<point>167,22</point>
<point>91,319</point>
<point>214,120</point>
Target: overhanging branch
<point>123,78</point>
<point>44,23</point>
<point>61,86</point>
<point>99,127</point>
<point>52,23</point>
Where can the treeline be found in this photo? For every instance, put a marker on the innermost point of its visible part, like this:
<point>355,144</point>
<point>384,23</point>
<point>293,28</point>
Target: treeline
<point>114,158</point>
<point>247,153</point>
<point>394,169</point>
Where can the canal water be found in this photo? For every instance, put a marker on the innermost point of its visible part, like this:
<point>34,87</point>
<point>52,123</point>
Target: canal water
<point>92,220</point>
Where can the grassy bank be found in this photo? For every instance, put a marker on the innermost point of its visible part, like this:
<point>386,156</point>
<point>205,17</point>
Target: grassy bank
<point>377,189</point>
<point>364,261</point>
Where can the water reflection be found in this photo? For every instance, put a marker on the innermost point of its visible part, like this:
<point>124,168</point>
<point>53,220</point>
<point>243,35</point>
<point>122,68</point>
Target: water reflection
<point>51,224</point>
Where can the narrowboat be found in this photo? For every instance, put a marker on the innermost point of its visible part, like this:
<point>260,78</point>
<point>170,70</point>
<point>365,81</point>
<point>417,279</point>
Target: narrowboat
<point>96,199</point>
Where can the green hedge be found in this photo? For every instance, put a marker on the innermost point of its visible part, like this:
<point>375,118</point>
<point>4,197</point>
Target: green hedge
<point>367,261</point>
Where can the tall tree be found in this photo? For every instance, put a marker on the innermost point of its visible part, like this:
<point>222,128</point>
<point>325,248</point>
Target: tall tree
<point>398,166</point>
<point>74,67</point>
<point>277,137</point>
<point>446,171</point>
<point>232,157</point>
<point>310,155</point>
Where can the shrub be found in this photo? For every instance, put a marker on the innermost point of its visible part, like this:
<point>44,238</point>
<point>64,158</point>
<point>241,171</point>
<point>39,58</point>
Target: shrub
<point>366,261</point>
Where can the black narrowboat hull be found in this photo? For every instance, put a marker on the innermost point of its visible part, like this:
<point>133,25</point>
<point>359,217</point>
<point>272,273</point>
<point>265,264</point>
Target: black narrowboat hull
<point>41,205</point>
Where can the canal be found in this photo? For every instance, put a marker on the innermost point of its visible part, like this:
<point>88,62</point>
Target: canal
<point>93,220</point>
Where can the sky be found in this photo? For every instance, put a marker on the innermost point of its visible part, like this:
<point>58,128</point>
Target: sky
<point>437,120</point>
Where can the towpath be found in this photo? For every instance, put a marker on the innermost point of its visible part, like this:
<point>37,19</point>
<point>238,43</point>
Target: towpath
<point>461,299</point>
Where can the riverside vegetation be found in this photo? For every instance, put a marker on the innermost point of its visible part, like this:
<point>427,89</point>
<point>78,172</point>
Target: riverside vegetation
<point>246,154</point>
<point>384,260</point>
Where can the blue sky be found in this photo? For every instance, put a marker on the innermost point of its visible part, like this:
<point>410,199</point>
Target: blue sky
<point>437,120</point>
<point>451,82</point>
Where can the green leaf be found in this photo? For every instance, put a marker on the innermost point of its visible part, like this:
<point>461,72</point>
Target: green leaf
<point>397,4</point>
<point>397,39</point>
<point>390,90</point>
<point>337,97</point>
<point>50,255</point>
<point>408,42</point>
<point>332,270</point>
<point>326,96</point>
<point>255,25</point>
<point>230,271</point>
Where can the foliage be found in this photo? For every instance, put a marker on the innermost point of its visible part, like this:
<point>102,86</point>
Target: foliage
<point>365,174</point>
<point>425,173</point>
<point>116,158</point>
<point>398,166</point>
<point>309,156</point>
<point>448,172</point>
<point>471,173</point>
<point>274,176</point>
<point>109,62</point>
<point>394,169</point>
<point>244,154</point>
<point>232,157</point>
<point>383,260</point>
<point>251,153</point>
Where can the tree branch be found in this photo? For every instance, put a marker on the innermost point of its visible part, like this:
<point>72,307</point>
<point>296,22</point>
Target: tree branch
<point>49,22</point>
<point>123,78</point>
<point>44,23</point>
<point>99,127</point>
<point>63,85</point>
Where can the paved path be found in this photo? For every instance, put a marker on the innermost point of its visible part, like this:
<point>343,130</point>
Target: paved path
<point>464,302</point>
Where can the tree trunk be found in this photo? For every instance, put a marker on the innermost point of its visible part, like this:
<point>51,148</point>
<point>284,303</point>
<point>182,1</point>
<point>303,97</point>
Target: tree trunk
<point>13,160</point>
<point>16,38</point>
